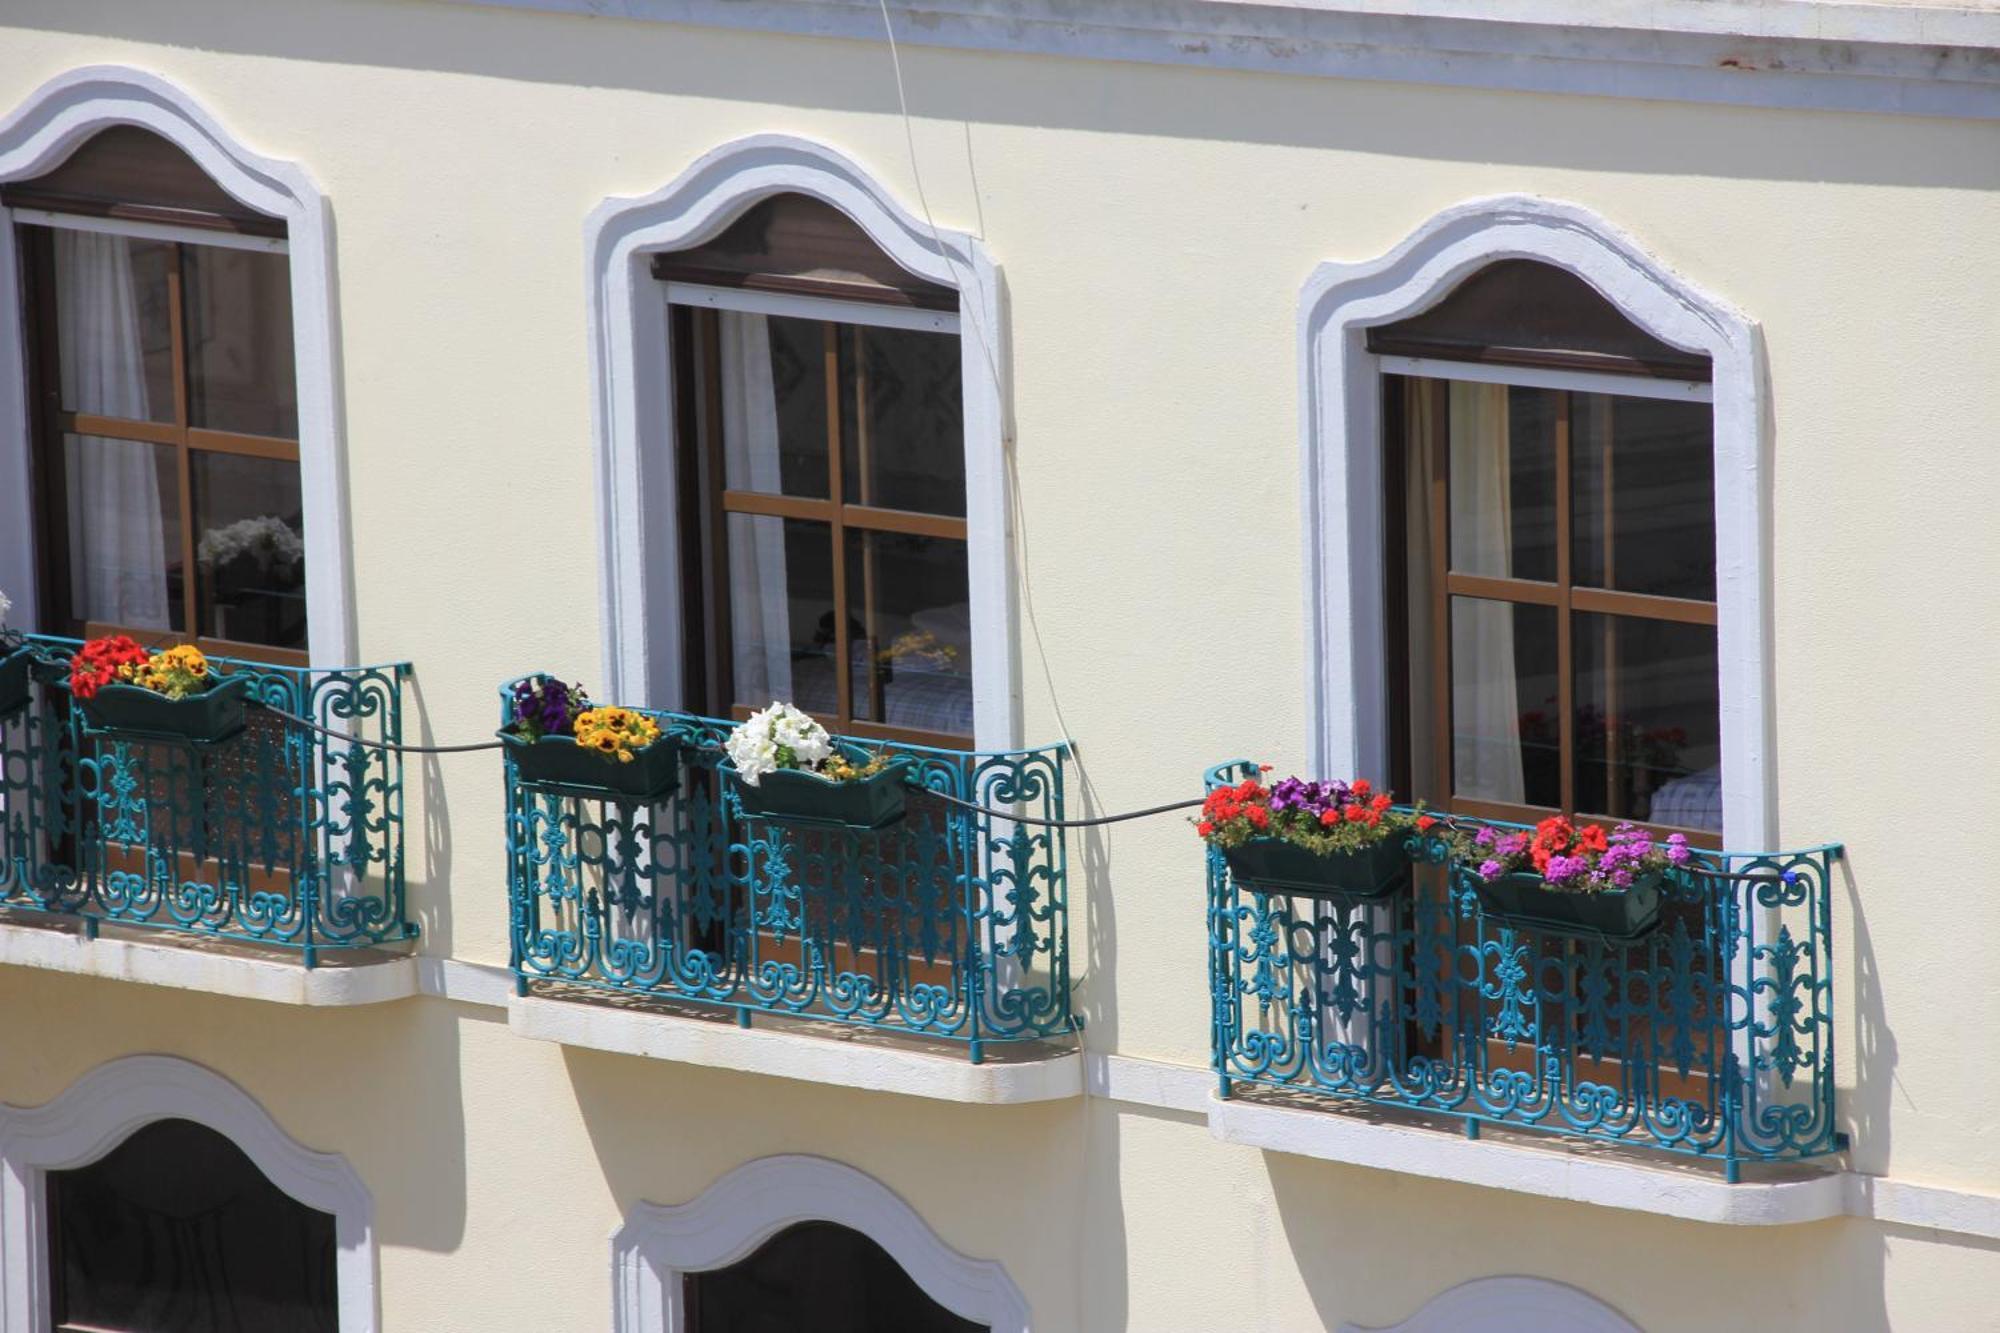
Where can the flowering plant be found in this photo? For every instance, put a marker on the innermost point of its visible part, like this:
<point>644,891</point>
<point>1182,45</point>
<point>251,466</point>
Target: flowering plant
<point>1323,817</point>
<point>544,706</point>
<point>615,733</point>
<point>9,639</point>
<point>116,659</point>
<point>273,543</point>
<point>1580,860</point>
<point>782,737</point>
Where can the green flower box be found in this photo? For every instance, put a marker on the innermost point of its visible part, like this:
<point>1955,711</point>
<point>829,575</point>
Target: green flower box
<point>1521,899</point>
<point>130,713</point>
<point>1273,865</point>
<point>14,680</point>
<point>559,764</point>
<point>793,796</point>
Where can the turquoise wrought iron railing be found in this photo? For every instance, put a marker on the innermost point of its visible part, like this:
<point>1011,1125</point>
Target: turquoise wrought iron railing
<point>951,924</point>
<point>1712,1036</point>
<point>278,836</point>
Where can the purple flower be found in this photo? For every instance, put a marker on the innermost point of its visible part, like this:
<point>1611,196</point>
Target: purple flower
<point>1677,849</point>
<point>1562,869</point>
<point>1489,869</point>
<point>1622,878</point>
<point>1513,844</point>
<point>1485,836</point>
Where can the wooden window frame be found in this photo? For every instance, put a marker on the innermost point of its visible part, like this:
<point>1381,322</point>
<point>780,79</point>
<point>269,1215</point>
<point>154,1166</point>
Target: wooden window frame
<point>50,422</point>
<point>1401,376</point>
<point>706,501</point>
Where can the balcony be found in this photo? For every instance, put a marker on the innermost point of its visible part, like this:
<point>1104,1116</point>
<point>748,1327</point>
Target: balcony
<point>1710,1036</point>
<point>949,928</point>
<point>277,837</point>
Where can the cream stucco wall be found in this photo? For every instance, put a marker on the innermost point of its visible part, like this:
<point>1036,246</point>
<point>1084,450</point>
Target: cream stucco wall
<point>1154,226</point>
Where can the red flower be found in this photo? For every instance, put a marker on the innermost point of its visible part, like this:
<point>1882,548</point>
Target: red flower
<point>1380,803</point>
<point>1361,789</point>
<point>1357,814</point>
<point>1328,818</point>
<point>1424,823</point>
<point>1260,818</point>
<point>1204,828</point>
<point>1593,838</point>
<point>96,664</point>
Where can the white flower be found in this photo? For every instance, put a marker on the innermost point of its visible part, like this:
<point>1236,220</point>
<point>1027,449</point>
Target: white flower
<point>5,607</point>
<point>753,747</point>
<point>269,538</point>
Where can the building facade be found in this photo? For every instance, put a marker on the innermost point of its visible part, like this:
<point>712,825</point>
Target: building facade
<point>1084,405</point>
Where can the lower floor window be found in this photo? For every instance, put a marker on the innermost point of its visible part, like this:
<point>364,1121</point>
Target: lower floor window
<point>816,1275</point>
<point>177,1231</point>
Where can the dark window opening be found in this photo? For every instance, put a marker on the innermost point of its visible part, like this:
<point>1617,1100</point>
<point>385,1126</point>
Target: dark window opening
<point>818,1276</point>
<point>176,1231</point>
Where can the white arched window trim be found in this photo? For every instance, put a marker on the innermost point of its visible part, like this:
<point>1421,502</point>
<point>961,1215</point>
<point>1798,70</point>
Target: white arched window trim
<point>658,1246</point>
<point>633,407</point>
<point>102,1109</point>
<point>46,129</point>
<point>1342,492</point>
<point>1510,1305</point>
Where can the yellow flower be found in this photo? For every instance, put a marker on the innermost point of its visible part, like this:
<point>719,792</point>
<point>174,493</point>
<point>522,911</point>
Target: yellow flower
<point>616,733</point>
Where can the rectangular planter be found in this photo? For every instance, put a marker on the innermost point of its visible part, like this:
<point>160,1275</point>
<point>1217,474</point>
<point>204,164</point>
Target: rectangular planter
<point>14,680</point>
<point>1523,901</point>
<point>794,797</point>
<point>1272,865</point>
<point>208,718</point>
<point>559,764</point>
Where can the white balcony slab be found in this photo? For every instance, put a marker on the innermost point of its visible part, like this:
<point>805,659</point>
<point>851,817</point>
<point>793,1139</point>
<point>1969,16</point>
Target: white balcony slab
<point>1533,1164</point>
<point>816,1052</point>
<point>220,967</point>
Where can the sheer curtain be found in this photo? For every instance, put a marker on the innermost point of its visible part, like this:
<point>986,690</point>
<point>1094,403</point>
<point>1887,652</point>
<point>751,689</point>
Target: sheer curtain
<point>118,560</point>
<point>759,607</point>
<point>1485,697</point>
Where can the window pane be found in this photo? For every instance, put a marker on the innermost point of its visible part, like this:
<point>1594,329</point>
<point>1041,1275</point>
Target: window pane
<point>819,1276</point>
<point>1504,744</point>
<point>1503,481</point>
<point>781,612</point>
<point>1648,721</point>
<point>124,508</point>
<point>177,1229</point>
<point>1643,493</point>
<point>249,554</point>
<point>903,421</point>
<point>239,322</point>
<point>114,327</point>
<point>913,631</point>
<point>773,392</point>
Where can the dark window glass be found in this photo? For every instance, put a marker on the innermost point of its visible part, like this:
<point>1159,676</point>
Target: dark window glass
<point>1648,721</point>
<point>902,440</point>
<point>1503,481</point>
<point>912,664</point>
<point>249,549</point>
<point>1643,488</point>
<point>239,332</point>
<point>817,1276</point>
<point>176,1231</point>
<point>1503,695</point>
<point>773,396</point>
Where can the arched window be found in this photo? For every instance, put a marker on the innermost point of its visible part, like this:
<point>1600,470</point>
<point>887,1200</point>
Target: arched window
<point>1550,523</point>
<point>817,1275</point>
<point>164,402</point>
<point>822,478</point>
<point>176,1228</point>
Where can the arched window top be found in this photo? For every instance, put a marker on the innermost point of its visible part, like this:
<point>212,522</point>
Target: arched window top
<point>795,243</point>
<point>128,172</point>
<point>1523,312</point>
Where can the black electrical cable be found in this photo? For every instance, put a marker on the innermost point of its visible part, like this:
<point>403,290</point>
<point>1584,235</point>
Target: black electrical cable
<point>398,747</point>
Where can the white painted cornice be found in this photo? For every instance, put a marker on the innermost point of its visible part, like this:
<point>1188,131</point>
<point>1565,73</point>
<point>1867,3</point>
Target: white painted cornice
<point>1918,59</point>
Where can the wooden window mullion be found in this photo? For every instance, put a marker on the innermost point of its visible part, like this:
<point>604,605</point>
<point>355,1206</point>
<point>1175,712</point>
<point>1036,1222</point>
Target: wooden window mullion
<point>1440,536</point>
<point>843,668</point>
<point>177,322</point>
<point>1565,637</point>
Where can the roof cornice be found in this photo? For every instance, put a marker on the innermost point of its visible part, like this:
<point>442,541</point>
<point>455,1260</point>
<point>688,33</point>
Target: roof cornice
<point>1812,54</point>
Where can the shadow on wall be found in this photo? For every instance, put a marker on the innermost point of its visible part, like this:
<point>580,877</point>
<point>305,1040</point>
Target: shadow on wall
<point>430,894</point>
<point>1103,97</point>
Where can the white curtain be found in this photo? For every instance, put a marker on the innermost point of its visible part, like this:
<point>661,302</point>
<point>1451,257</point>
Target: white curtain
<point>118,561</point>
<point>1485,699</point>
<point>759,609</point>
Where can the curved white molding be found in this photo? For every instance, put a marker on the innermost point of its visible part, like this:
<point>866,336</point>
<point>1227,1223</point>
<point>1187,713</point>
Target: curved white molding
<point>1342,490</point>
<point>38,135</point>
<point>633,409</point>
<point>101,1109</point>
<point>1510,1305</point>
<point>658,1245</point>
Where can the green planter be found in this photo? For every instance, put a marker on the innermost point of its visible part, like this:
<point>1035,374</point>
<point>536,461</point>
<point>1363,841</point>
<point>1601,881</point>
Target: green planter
<point>1521,900</point>
<point>1272,865</point>
<point>14,680</point>
<point>795,797</point>
<point>559,764</point>
<point>128,712</point>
